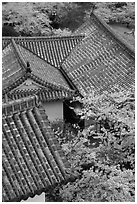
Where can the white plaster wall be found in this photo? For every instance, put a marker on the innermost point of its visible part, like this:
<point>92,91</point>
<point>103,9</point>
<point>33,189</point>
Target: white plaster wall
<point>37,198</point>
<point>54,110</point>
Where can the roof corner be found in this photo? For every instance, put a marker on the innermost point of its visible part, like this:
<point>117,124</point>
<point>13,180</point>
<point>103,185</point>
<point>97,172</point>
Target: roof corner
<point>16,106</point>
<point>18,54</point>
<point>116,36</point>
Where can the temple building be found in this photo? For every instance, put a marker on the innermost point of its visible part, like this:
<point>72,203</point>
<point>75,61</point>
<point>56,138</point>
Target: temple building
<point>102,59</point>
<point>59,68</point>
<point>26,71</point>
<point>40,78</point>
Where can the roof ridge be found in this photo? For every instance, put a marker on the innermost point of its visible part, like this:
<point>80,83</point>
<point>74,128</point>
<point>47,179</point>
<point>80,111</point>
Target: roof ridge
<point>15,83</point>
<point>32,75</point>
<point>62,166</point>
<point>55,86</point>
<point>43,95</point>
<point>36,79</point>
<point>4,46</point>
<point>37,55</point>
<point>45,60</point>
<point>45,37</point>
<point>68,79</point>
<point>82,25</point>
<point>117,37</point>
<point>43,89</point>
<point>21,60</point>
<point>18,105</point>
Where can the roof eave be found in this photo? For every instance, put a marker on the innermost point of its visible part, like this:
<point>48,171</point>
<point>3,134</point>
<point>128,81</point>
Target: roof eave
<point>117,37</point>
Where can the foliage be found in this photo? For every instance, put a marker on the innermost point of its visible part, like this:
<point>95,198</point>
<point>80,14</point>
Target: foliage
<point>97,187</point>
<point>103,157</point>
<point>65,132</point>
<point>121,17</point>
<point>43,18</point>
<point>72,14</point>
<point>30,19</point>
<point>26,18</point>
<point>8,30</point>
<point>62,32</point>
<point>122,12</point>
<point>49,18</point>
<point>115,116</point>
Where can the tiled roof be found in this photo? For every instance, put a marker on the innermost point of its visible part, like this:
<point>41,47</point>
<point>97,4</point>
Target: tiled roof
<point>15,58</point>
<point>5,41</point>
<point>11,66</point>
<point>92,24</point>
<point>52,49</point>
<point>101,60</point>
<point>85,28</point>
<point>32,160</point>
<point>46,85</point>
<point>42,69</point>
<point>43,95</point>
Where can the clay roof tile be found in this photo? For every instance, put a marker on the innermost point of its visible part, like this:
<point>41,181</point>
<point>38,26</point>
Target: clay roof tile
<point>101,60</point>
<point>33,160</point>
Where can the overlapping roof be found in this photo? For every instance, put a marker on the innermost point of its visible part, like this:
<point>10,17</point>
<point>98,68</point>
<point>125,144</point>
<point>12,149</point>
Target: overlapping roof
<point>11,66</point>
<point>93,58</point>
<point>15,59</point>
<point>17,56</point>
<point>32,159</point>
<point>101,60</point>
<point>52,49</point>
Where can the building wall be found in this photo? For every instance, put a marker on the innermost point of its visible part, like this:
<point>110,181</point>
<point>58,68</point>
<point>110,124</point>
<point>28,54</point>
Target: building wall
<point>54,110</point>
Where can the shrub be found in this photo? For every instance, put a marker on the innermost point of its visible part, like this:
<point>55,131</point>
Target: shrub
<point>106,171</point>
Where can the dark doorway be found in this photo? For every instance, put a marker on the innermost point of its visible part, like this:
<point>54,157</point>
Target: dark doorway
<point>69,114</point>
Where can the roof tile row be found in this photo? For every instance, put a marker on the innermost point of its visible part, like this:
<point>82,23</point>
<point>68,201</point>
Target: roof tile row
<point>32,158</point>
<point>53,50</point>
<point>99,61</point>
<point>19,105</point>
<point>11,67</point>
<point>42,69</point>
<point>42,94</point>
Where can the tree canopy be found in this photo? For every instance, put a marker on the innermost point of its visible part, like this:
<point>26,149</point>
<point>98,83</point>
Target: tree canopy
<point>102,156</point>
<point>48,18</point>
<point>34,19</point>
<point>117,12</point>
